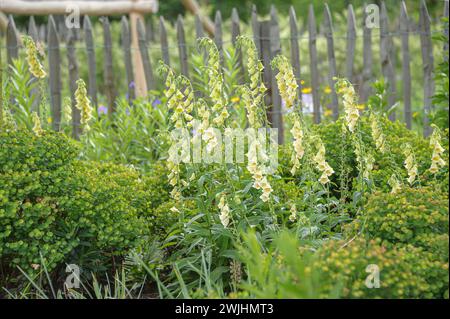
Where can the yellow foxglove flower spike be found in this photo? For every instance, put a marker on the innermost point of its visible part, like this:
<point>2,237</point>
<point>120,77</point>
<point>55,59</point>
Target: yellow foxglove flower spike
<point>322,164</point>
<point>37,129</point>
<point>32,53</point>
<point>83,104</point>
<point>377,134</point>
<point>287,84</point>
<point>436,158</point>
<point>224,211</point>
<point>350,101</point>
<point>410,164</point>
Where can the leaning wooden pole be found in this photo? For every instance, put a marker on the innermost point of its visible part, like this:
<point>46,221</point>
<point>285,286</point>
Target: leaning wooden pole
<point>99,8</point>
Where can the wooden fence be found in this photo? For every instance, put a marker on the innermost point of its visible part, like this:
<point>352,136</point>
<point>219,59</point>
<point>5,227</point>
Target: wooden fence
<point>266,34</point>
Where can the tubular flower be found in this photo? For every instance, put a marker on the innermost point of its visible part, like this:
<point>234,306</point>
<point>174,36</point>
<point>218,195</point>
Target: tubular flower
<point>293,215</point>
<point>175,98</point>
<point>410,164</point>
<point>299,149</point>
<point>251,107</point>
<point>224,212</point>
<point>37,129</point>
<point>345,88</point>
<point>215,82</point>
<point>395,184</point>
<point>438,150</point>
<point>259,180</point>
<point>365,161</point>
<point>254,93</point>
<point>266,188</point>
<point>83,104</point>
<point>67,110</point>
<point>287,85</point>
<point>322,165</point>
<point>34,64</point>
<point>377,134</point>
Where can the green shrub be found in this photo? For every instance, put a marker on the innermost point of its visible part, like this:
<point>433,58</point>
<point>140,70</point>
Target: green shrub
<point>416,216</point>
<point>65,210</point>
<point>405,272</point>
<point>290,269</point>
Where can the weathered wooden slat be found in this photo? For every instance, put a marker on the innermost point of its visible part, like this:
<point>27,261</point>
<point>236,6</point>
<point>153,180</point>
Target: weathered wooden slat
<point>199,32</point>
<point>149,30</point>
<point>108,66</point>
<point>32,29</point>
<point>367,61</point>
<point>235,32</point>
<point>163,40</point>
<point>256,29</point>
<point>295,50</point>
<point>446,30</point>
<point>351,43</point>
<point>54,73</point>
<point>264,45</point>
<point>149,77</point>
<point>218,38</point>
<point>182,49</point>
<point>387,67</point>
<point>90,50</point>
<point>126,45</point>
<point>313,64</point>
<point>406,69</point>
<point>12,41</point>
<point>33,33</point>
<point>328,24</point>
<point>275,49</point>
<point>427,61</point>
<point>73,77</point>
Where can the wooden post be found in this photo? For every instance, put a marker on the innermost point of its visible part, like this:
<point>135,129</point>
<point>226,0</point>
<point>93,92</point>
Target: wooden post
<point>331,61</point>
<point>428,61</point>
<point>163,40</point>
<point>149,78</point>
<point>387,66</point>
<point>367,61</point>
<point>198,27</point>
<point>92,70</point>
<point>108,66</point>
<point>275,49</point>
<point>235,32</point>
<point>182,49</point>
<point>446,30</point>
<point>12,41</point>
<point>295,51</point>
<point>32,32</point>
<point>73,77</point>
<point>406,72</point>
<point>256,29</point>
<point>218,35</point>
<point>149,30</point>
<point>54,73</point>
<point>126,45</point>
<point>139,74</point>
<point>313,63</point>
<point>351,42</point>
<point>264,36</point>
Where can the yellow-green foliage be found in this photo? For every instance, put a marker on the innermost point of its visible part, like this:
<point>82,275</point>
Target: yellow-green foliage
<point>66,210</point>
<point>405,272</point>
<point>414,216</point>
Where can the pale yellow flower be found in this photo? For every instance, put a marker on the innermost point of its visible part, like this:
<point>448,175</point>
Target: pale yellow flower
<point>37,128</point>
<point>34,64</point>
